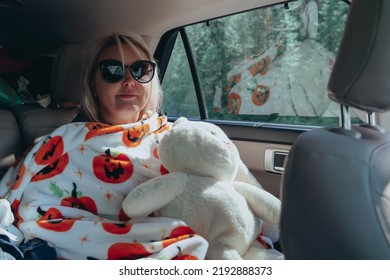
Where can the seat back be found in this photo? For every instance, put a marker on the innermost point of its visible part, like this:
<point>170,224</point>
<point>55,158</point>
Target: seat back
<point>65,86</point>
<point>67,74</point>
<point>336,185</point>
<point>10,141</point>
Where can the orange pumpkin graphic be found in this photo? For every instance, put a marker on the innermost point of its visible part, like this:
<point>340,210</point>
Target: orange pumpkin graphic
<point>155,153</point>
<point>162,120</point>
<point>117,228</point>
<point>169,241</point>
<point>162,129</point>
<point>53,220</point>
<point>127,251</point>
<point>260,67</point>
<point>260,95</point>
<point>15,207</point>
<point>133,136</point>
<point>181,230</point>
<point>122,216</point>
<point>52,156</point>
<point>53,169</point>
<point>185,257</point>
<point>82,202</point>
<point>96,129</point>
<point>19,177</point>
<point>112,169</point>
<point>163,170</point>
<point>50,151</point>
<point>233,80</point>
<point>234,103</point>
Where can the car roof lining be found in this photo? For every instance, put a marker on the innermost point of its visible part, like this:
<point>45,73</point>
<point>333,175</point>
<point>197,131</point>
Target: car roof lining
<point>34,22</point>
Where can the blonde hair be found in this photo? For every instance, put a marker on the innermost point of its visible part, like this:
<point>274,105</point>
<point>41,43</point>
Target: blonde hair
<point>89,107</point>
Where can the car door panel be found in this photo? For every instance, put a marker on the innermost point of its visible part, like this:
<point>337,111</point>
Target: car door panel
<point>258,146</point>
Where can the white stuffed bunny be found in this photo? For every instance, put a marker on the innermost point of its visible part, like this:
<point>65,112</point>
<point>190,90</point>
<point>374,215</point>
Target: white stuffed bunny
<point>200,190</point>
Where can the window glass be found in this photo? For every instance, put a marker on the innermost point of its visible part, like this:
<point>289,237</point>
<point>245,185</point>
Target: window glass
<point>179,92</point>
<point>268,65</point>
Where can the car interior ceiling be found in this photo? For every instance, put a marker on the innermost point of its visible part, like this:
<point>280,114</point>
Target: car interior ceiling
<point>35,28</point>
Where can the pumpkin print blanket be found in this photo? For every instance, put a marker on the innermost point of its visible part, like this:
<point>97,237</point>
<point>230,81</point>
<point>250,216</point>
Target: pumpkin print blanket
<point>68,190</point>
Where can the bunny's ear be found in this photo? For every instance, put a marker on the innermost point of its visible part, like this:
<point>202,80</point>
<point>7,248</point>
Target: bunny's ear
<point>180,120</point>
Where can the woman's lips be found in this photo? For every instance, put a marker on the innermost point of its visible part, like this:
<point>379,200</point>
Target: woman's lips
<point>127,95</point>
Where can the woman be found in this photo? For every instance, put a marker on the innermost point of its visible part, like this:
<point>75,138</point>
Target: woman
<point>68,190</point>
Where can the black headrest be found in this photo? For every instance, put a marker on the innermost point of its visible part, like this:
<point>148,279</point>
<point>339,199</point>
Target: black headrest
<point>361,74</point>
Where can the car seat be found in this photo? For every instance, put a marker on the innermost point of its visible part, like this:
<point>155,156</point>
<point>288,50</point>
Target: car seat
<point>65,86</point>
<point>336,186</point>
<point>10,141</point>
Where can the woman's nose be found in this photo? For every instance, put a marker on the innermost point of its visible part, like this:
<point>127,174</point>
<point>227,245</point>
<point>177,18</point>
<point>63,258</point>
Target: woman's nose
<point>128,80</point>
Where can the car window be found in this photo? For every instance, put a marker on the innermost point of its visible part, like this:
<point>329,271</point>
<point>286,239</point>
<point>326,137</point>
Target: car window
<point>266,65</point>
<point>180,98</point>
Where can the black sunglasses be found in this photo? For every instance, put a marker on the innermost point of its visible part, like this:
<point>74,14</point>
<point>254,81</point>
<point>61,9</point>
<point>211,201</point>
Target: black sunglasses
<point>113,70</point>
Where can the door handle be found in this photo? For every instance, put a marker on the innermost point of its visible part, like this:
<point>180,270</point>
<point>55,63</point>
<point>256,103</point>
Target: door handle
<point>274,160</point>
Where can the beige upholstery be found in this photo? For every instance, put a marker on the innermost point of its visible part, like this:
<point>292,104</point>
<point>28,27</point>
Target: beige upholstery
<point>10,142</point>
<point>65,85</point>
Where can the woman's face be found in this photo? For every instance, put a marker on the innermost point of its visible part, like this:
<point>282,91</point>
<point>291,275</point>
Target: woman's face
<point>121,102</point>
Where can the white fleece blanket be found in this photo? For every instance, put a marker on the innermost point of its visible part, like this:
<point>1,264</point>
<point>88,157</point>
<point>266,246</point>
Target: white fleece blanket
<point>68,190</point>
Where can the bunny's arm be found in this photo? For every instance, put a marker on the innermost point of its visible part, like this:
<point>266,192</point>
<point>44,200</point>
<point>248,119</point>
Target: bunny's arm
<point>154,194</point>
<point>263,204</point>
<point>244,175</point>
